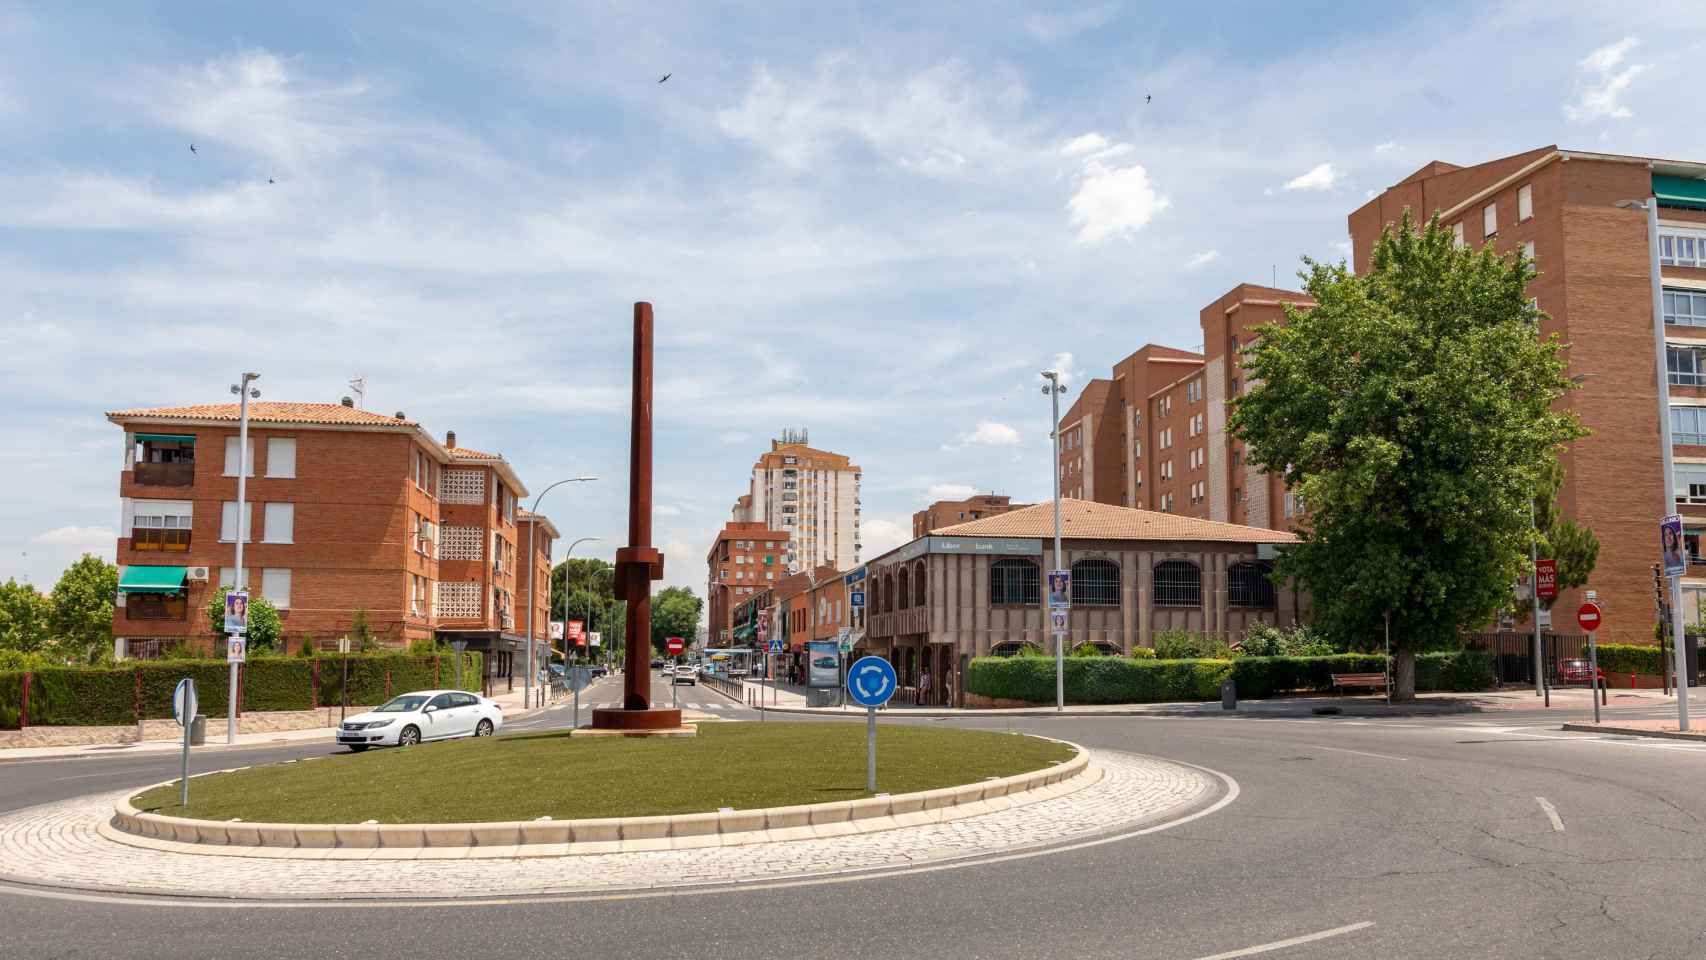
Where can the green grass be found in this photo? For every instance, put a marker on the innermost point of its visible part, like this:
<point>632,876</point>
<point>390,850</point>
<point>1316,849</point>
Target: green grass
<point>524,777</point>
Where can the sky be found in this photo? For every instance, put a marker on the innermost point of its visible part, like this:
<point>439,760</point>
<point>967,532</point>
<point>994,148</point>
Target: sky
<point>877,222</point>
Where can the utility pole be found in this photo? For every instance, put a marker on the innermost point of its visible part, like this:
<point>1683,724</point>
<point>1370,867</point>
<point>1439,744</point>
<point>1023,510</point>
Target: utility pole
<point>1534,599</point>
<point>238,580</point>
<point>533,598</point>
<point>1054,389</point>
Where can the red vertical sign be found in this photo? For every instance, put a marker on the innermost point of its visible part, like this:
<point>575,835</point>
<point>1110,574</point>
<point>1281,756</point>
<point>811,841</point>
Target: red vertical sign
<point>1546,579</point>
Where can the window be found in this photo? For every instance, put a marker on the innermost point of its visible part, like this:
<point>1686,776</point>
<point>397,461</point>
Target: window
<point>1237,494</point>
<point>1690,482</point>
<point>1095,583</point>
<point>1524,202</point>
<point>280,521</point>
<point>231,457</point>
<point>1237,458</point>
<point>160,524</point>
<point>1166,503</point>
<point>1687,367</point>
<point>918,583</point>
<point>1489,219</point>
<point>1166,469</point>
<point>228,521</point>
<point>1249,585</point>
<point>1140,479</point>
<point>1688,425</point>
<point>1166,438</point>
<point>226,580</point>
<point>281,457</point>
<point>1014,582</point>
<point>1137,450</point>
<point>1290,505</point>
<point>1457,233</point>
<point>1528,250</point>
<point>1681,247</point>
<point>1178,583</point>
<point>275,586</point>
<point>903,597</point>
<point>1686,308</point>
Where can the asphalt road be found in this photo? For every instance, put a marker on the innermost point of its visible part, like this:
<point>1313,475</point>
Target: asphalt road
<point>1490,835</point>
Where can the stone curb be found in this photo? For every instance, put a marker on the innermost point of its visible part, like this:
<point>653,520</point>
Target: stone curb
<point>1694,735</point>
<point>1167,713</point>
<point>530,838</point>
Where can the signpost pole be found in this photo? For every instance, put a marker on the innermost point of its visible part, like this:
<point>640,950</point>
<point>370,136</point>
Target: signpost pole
<point>1390,673</point>
<point>1593,674</point>
<point>871,681</point>
<point>184,768</point>
<point>238,580</point>
<point>870,749</point>
<point>185,706</point>
<point>1534,596</point>
<point>343,685</point>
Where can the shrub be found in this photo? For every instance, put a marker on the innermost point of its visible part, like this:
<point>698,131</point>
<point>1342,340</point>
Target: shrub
<point>307,647</point>
<point>1464,671</point>
<point>1188,645</point>
<point>1145,680</point>
<point>1086,650</point>
<point>1143,653</point>
<point>1630,658</point>
<point>1267,640</point>
<point>1265,676</point>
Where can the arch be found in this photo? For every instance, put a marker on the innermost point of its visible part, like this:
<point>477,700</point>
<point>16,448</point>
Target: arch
<point>1095,583</point>
<point>901,599</point>
<point>1106,648</point>
<point>888,591</point>
<point>918,584</point>
<point>1014,581</point>
<point>1012,648</point>
<point>1178,583</point>
<point>1250,585</point>
<point>874,602</point>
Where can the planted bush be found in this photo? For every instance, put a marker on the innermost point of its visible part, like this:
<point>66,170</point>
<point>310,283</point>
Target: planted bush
<point>1630,658</point>
<point>1463,671</point>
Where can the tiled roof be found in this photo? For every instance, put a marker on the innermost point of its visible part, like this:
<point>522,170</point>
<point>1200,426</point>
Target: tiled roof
<point>1087,520</point>
<point>266,411</point>
<point>468,454</point>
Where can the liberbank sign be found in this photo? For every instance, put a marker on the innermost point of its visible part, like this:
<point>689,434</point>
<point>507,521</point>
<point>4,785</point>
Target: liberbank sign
<point>995,546</point>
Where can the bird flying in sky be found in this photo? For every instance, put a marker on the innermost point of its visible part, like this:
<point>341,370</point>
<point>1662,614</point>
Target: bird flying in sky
<point>665,77</point>
<point>192,148</point>
<point>1148,97</point>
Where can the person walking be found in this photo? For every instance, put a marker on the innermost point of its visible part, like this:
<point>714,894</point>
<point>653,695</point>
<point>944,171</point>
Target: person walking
<point>924,687</point>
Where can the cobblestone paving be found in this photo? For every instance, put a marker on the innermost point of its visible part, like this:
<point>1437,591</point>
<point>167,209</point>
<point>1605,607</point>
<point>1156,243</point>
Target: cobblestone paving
<point>60,845</point>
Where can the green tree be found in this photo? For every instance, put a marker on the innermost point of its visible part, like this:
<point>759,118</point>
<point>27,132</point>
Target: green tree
<point>24,616</point>
<point>265,627</point>
<point>82,609</point>
<point>675,613</point>
<point>581,590</point>
<point>1412,409</point>
<point>1575,547</point>
<point>361,633</point>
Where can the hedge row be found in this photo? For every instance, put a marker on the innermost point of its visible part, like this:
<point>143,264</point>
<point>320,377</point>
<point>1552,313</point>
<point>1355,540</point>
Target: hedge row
<point>1630,658</point>
<point>1127,680</point>
<point>114,696</point>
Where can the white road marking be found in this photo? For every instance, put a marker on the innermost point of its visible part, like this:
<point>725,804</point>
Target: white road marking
<point>1363,753</point>
<point>1551,813</point>
<point>1293,942</point>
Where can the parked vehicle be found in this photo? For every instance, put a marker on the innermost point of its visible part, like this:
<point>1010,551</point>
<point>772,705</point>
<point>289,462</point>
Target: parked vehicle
<point>413,718</point>
<point>685,674</point>
<point>657,663</point>
<point>1577,671</point>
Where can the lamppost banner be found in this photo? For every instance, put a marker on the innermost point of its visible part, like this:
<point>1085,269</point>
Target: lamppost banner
<point>237,611</point>
<point>1670,546</point>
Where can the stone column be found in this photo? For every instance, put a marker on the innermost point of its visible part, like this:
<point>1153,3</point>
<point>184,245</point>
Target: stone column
<point>1145,580</point>
<point>1128,600</point>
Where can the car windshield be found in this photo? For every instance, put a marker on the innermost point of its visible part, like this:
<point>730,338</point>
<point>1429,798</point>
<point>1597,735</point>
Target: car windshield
<point>407,703</point>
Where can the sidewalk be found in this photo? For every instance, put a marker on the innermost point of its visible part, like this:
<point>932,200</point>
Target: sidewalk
<point>791,699</point>
<point>508,700</point>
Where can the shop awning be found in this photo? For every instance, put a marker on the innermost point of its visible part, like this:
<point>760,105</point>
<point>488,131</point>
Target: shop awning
<point>167,437</point>
<point>1679,191</point>
<point>139,579</point>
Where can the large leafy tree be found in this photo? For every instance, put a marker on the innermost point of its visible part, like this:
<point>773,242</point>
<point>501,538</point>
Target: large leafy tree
<point>675,613</point>
<point>82,609</point>
<point>581,587</point>
<point>24,618</point>
<point>1412,409</point>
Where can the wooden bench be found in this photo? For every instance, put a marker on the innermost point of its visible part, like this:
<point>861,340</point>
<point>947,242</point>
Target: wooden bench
<point>1371,681</point>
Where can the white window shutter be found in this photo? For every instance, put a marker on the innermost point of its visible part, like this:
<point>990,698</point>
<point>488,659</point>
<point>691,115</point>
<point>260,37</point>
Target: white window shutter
<point>281,457</point>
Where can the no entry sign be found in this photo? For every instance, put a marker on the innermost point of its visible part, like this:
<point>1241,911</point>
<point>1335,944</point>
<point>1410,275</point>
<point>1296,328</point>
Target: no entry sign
<point>675,645</point>
<point>1587,617</point>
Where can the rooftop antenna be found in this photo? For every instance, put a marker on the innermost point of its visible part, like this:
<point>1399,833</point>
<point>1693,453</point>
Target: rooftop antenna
<point>1275,281</point>
<point>358,386</point>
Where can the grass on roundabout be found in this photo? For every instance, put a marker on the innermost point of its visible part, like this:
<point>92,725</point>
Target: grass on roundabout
<point>528,776</point>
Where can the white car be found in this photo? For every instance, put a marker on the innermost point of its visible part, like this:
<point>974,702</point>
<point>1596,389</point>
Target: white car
<point>420,716</point>
<point>684,674</point>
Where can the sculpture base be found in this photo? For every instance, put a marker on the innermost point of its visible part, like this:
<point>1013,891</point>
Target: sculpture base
<point>635,721</point>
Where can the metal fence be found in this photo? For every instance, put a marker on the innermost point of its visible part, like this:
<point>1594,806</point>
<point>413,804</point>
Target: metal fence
<point>723,685</point>
<point>1513,654</point>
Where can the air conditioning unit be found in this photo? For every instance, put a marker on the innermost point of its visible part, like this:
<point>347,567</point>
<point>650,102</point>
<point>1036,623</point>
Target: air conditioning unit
<point>198,574</point>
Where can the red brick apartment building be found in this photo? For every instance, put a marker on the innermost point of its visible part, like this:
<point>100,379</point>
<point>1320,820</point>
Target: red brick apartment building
<point>745,559</point>
<point>346,510</point>
<point>1595,272</point>
<point>945,513</point>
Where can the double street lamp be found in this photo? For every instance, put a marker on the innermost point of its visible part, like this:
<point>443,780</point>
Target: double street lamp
<point>575,718</point>
<point>1054,388</point>
<point>533,598</point>
<point>239,581</point>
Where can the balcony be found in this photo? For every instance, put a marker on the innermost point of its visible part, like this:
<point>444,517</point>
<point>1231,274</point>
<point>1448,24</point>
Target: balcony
<point>156,606</point>
<point>161,540</point>
<point>180,474</point>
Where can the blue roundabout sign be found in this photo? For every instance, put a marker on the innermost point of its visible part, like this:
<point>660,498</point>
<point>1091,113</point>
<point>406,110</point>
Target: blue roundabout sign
<point>871,681</point>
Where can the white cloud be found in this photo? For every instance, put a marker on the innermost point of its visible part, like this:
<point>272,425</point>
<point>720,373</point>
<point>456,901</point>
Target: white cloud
<point>1078,146</point>
<point>1063,365</point>
<point>991,433</point>
<point>1113,201</point>
<point>1386,147</point>
<point>1600,85</point>
<point>880,536</point>
<point>950,491</point>
<point>734,436</point>
<point>1322,177</point>
<point>78,537</point>
<point>1059,26</point>
<point>662,509</point>
<point>1202,259</point>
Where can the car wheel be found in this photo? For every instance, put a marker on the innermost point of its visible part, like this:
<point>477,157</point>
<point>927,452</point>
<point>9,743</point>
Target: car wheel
<point>357,747</point>
<point>409,737</point>
<point>484,729</point>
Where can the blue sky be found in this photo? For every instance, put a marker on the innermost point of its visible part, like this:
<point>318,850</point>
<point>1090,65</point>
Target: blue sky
<point>875,222</point>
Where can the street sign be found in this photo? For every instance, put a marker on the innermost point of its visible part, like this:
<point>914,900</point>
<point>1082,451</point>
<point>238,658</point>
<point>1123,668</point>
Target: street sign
<point>236,649</point>
<point>1059,589</point>
<point>343,644</point>
<point>856,598</point>
<point>1671,550</point>
<point>237,611</point>
<point>675,645</point>
<point>1546,579</point>
<point>871,681</point>
<point>1588,617</point>
<point>774,646</point>
<point>184,702</point>
<point>1545,616</point>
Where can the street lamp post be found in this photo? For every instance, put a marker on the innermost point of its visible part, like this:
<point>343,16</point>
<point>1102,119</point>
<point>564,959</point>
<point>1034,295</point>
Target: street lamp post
<point>575,719</point>
<point>532,598</point>
<point>1054,388</point>
<point>238,581</point>
<point>1651,206</point>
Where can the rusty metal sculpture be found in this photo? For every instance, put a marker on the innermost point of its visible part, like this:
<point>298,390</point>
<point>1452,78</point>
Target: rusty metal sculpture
<point>639,563</point>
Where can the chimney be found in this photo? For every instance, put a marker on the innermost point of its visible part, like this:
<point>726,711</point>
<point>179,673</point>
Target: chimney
<point>347,402</point>
<point>400,416</point>
<point>450,438</point>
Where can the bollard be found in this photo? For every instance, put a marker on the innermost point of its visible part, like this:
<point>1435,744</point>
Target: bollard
<point>1228,694</point>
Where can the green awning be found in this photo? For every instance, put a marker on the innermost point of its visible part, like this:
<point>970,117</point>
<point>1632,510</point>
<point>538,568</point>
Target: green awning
<point>167,437</point>
<point>1679,191</point>
<point>138,579</point>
